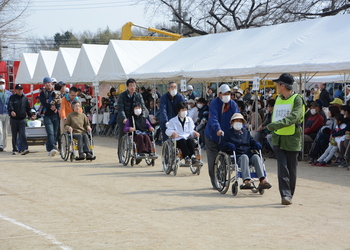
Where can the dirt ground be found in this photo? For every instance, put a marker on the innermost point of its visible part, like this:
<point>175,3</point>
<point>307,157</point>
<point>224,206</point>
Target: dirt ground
<point>46,203</point>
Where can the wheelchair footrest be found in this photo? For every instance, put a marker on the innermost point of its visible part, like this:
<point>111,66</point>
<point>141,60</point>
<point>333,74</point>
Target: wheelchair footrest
<point>251,186</point>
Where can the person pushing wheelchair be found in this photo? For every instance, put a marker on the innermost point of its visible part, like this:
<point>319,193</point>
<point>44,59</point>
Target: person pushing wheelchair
<point>238,139</point>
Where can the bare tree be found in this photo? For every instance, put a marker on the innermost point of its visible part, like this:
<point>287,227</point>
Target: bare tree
<point>12,13</point>
<point>200,17</point>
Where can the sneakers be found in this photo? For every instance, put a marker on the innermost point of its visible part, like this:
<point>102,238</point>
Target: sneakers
<point>187,160</point>
<point>82,156</point>
<point>286,201</point>
<point>311,161</point>
<point>342,164</point>
<point>89,156</point>
<point>264,185</point>
<point>338,161</point>
<point>53,152</point>
<point>25,152</point>
<point>314,163</point>
<point>15,153</point>
<point>321,164</point>
<point>1,148</point>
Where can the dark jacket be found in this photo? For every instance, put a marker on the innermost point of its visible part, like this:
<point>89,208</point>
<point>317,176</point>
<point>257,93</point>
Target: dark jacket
<point>313,124</point>
<point>126,105</point>
<point>168,107</point>
<point>325,97</point>
<point>218,120</point>
<point>203,113</point>
<point>241,142</point>
<point>45,99</point>
<point>20,105</point>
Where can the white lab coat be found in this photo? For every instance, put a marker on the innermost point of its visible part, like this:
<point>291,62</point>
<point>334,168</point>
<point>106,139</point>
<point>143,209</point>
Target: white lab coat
<point>175,125</point>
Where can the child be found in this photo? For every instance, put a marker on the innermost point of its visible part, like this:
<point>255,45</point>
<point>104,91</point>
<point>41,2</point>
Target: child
<point>141,126</point>
<point>333,144</point>
<point>181,127</point>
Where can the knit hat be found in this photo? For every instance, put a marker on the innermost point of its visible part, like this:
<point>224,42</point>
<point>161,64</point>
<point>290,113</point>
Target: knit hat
<point>47,79</point>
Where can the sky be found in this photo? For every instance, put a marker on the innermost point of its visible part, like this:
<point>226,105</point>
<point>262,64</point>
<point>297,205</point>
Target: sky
<point>47,17</point>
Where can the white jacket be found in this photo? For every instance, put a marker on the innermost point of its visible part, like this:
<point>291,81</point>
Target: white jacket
<point>175,125</point>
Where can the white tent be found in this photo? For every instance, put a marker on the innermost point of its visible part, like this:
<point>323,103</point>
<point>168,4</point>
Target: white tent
<point>88,63</point>
<point>65,63</point>
<point>44,66</point>
<point>26,68</point>
<point>318,45</point>
<point>123,57</point>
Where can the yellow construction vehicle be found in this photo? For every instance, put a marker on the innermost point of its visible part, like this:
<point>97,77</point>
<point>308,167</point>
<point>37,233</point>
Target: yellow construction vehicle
<point>128,35</point>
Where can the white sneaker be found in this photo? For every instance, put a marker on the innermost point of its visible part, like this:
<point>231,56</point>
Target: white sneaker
<point>53,152</point>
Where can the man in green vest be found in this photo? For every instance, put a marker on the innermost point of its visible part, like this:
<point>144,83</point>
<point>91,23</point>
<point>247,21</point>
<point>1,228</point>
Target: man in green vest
<point>288,114</point>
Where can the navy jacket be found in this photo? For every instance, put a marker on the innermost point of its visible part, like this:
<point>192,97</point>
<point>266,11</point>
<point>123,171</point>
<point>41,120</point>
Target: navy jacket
<point>218,120</point>
<point>20,105</point>
<point>168,107</point>
<point>241,143</point>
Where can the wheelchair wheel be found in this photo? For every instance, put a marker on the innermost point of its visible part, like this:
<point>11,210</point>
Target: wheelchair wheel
<point>167,157</point>
<point>148,161</point>
<point>235,188</point>
<point>65,146</point>
<point>261,191</point>
<point>222,172</point>
<point>125,150</point>
<point>132,161</point>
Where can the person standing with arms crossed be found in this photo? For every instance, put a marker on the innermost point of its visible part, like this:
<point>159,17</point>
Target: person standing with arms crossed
<point>221,110</point>
<point>287,132</point>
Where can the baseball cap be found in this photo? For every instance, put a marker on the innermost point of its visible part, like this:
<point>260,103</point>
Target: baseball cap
<point>61,83</point>
<point>189,87</point>
<point>224,88</point>
<point>53,80</point>
<point>314,104</point>
<point>285,78</point>
<point>47,79</point>
<point>18,86</point>
<point>33,111</point>
<point>2,80</point>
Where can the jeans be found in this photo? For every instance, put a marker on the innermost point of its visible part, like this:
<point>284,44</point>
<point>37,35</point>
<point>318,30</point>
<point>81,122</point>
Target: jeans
<point>4,125</point>
<point>52,124</point>
<point>243,162</point>
<point>18,129</point>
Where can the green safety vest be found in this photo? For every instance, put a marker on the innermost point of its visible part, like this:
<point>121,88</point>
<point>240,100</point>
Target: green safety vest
<point>282,109</point>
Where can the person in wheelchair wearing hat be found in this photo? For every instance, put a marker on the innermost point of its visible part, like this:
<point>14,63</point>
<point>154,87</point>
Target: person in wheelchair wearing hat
<point>238,139</point>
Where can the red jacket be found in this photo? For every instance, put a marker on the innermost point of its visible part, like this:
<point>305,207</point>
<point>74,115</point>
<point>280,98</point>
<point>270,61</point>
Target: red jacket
<point>313,124</point>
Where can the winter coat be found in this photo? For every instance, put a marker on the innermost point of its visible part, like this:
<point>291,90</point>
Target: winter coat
<point>126,105</point>
<point>20,105</point>
<point>168,107</point>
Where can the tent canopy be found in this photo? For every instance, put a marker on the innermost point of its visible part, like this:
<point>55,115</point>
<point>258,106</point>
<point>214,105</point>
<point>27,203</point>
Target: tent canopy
<point>26,68</point>
<point>123,57</point>
<point>44,66</point>
<point>319,45</point>
<point>88,63</point>
<point>65,63</point>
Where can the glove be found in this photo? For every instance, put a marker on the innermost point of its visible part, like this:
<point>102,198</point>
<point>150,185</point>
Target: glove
<point>231,146</point>
<point>257,146</point>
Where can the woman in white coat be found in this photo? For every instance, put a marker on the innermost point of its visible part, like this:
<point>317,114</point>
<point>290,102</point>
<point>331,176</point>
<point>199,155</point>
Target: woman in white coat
<point>181,128</point>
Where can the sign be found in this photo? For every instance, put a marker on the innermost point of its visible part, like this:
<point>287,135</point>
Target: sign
<point>95,83</point>
<point>183,86</point>
<point>256,83</point>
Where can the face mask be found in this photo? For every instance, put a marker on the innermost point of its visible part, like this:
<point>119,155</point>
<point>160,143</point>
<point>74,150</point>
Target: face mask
<point>315,89</point>
<point>313,111</point>
<point>2,87</point>
<point>183,114</point>
<point>238,96</point>
<point>259,106</point>
<point>226,98</point>
<point>200,106</point>
<point>238,125</point>
<point>189,107</point>
<point>138,111</point>
<point>173,92</point>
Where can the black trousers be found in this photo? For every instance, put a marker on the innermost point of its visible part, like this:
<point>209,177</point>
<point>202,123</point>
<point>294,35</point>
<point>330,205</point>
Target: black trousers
<point>18,129</point>
<point>83,143</point>
<point>186,146</point>
<point>287,162</point>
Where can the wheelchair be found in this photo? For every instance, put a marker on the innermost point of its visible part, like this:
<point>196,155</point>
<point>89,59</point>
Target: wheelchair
<point>128,151</point>
<point>69,147</point>
<point>227,171</point>
<point>172,156</point>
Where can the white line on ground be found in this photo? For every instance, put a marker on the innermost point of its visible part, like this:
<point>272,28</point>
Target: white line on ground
<point>47,236</point>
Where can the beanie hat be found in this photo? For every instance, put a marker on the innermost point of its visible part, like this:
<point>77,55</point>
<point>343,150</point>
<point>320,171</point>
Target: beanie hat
<point>47,79</point>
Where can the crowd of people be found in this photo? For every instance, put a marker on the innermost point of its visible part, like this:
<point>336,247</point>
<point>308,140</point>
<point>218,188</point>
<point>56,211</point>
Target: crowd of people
<point>227,118</point>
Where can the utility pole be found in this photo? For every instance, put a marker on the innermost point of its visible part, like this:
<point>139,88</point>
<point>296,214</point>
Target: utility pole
<point>180,15</point>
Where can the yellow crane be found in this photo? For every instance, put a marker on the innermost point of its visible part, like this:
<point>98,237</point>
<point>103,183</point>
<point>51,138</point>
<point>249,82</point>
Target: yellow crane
<point>128,35</point>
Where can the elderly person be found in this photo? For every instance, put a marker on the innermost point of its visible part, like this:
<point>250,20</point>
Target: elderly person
<point>168,103</point>
<point>220,111</point>
<point>77,123</point>
<point>238,139</point>
<point>192,110</point>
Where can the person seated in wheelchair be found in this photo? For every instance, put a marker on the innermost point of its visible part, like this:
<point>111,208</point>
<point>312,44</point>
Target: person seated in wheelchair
<point>77,123</point>
<point>181,128</point>
<point>238,139</point>
<point>142,127</point>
